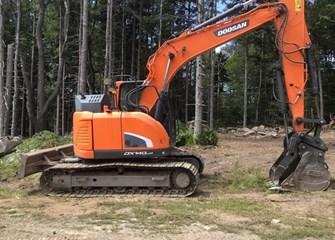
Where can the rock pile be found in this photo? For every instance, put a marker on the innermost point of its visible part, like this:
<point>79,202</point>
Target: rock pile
<point>256,132</point>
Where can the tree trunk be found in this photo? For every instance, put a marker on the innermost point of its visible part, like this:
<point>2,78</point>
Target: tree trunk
<point>56,131</point>
<point>139,41</point>
<point>112,47</point>
<point>13,130</point>
<point>63,103</point>
<point>133,40</point>
<point>122,39</point>
<point>60,44</point>
<point>187,92</point>
<point>218,95</point>
<point>23,102</point>
<point>32,60</point>
<point>211,85</point>
<point>160,23</point>
<point>9,88</point>
<point>109,31</point>
<point>90,69</point>
<point>22,114</point>
<point>83,60</point>
<point>40,119</point>
<point>189,71</point>
<point>80,43</point>
<point>321,90</point>
<point>260,80</point>
<point>211,91</point>
<point>198,84</point>
<point>29,89</point>
<point>245,105</point>
<point>319,77</point>
<point>2,82</point>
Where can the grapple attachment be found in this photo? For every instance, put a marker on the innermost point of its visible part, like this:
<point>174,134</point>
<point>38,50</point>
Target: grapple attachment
<point>302,165</point>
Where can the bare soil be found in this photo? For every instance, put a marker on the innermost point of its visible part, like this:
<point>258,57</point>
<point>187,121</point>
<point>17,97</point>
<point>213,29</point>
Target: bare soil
<point>36,216</point>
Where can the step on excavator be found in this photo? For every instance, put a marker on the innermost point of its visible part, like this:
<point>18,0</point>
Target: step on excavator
<point>124,140</point>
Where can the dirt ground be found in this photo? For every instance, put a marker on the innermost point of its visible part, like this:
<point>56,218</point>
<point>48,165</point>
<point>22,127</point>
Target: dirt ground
<point>35,216</point>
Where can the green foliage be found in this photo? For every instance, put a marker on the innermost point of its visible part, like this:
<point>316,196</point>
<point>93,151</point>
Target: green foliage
<point>184,136</point>
<point>42,140</point>
<point>9,166</point>
<point>207,137</point>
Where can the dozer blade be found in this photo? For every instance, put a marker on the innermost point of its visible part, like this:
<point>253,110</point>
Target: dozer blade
<point>40,160</point>
<point>302,165</point>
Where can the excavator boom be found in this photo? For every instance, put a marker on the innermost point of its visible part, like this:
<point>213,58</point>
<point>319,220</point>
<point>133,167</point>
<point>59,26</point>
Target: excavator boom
<point>291,41</point>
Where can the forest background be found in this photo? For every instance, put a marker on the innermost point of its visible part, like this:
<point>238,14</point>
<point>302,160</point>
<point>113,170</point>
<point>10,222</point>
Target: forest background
<point>53,49</point>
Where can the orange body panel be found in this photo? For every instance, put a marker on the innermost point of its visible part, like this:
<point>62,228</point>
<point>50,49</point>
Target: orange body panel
<point>142,124</point>
<point>82,134</point>
<point>107,131</point>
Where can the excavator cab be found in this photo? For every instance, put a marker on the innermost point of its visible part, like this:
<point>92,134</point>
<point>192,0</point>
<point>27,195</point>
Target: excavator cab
<point>117,89</point>
<point>122,89</point>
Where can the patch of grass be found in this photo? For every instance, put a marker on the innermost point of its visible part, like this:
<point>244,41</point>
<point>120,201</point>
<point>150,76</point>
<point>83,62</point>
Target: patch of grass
<point>292,226</point>
<point>301,232</point>
<point>238,206</point>
<point>316,226</point>
<point>174,211</point>
<point>6,193</point>
<point>165,215</point>
<point>121,211</point>
<point>143,210</point>
<point>180,212</point>
<point>245,179</point>
<point>240,179</point>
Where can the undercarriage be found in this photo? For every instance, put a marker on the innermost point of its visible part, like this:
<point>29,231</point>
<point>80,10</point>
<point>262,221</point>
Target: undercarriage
<point>175,175</point>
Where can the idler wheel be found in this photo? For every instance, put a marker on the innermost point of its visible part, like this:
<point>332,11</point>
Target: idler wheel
<point>181,179</point>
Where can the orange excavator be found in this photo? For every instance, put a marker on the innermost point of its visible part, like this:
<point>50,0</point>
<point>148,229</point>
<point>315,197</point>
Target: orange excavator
<point>123,142</point>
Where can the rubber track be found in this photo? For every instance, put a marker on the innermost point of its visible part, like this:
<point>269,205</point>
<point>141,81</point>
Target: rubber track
<point>95,192</point>
<point>176,152</point>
